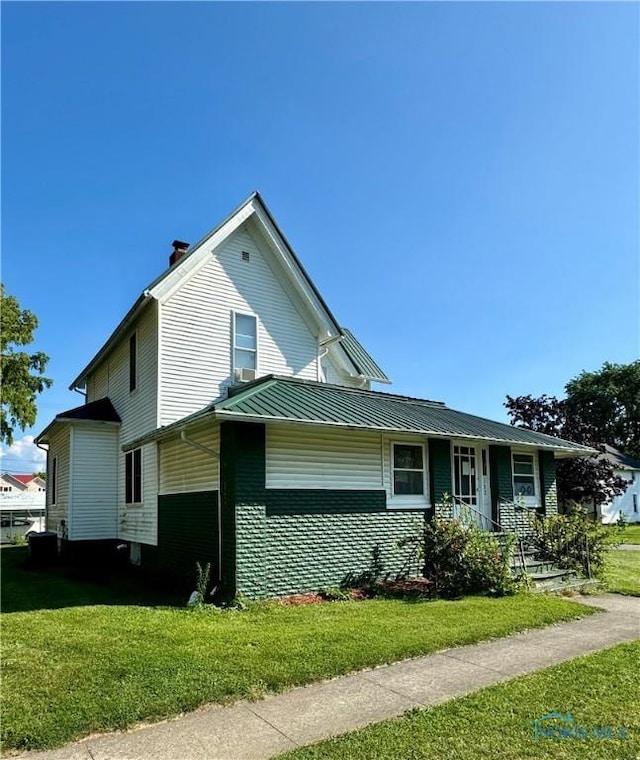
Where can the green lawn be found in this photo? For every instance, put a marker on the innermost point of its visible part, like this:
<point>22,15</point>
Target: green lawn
<point>631,534</point>
<point>623,572</point>
<point>598,690</point>
<point>102,663</point>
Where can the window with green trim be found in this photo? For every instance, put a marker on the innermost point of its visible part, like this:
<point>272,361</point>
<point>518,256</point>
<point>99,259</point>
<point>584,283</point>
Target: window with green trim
<point>525,477</point>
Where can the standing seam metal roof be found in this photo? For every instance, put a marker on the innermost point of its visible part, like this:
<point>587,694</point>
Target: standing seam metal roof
<point>286,399</point>
<point>361,358</point>
<point>294,400</point>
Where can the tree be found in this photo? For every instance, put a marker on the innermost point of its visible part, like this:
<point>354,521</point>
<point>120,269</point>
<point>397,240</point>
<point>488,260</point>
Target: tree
<point>600,407</point>
<point>609,400</point>
<point>22,373</point>
<point>40,474</point>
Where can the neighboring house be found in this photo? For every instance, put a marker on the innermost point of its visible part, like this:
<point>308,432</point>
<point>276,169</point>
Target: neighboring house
<point>22,504</point>
<point>627,503</point>
<point>13,484</point>
<point>229,418</point>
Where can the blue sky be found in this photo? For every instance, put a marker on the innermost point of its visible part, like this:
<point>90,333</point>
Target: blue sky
<point>460,180</point>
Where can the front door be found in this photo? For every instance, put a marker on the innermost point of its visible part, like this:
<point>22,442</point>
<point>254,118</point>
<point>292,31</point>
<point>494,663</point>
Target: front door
<point>471,482</point>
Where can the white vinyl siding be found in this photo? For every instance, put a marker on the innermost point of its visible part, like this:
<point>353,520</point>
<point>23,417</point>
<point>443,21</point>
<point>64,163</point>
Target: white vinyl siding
<point>139,414</point>
<point>195,327</point>
<point>185,469</point>
<point>139,522</point>
<point>301,457</point>
<point>334,376</point>
<point>59,444</point>
<point>94,495</point>
<point>137,410</point>
<point>624,502</point>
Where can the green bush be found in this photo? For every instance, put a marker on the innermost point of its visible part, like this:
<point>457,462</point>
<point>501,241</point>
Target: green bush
<point>573,540</point>
<point>459,559</point>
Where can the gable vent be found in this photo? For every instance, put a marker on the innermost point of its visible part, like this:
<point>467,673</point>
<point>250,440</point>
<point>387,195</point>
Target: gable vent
<point>246,256</point>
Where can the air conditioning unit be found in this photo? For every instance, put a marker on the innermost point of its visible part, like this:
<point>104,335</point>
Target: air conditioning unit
<point>245,375</point>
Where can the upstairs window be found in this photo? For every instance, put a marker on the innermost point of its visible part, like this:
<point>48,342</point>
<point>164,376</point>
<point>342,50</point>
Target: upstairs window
<point>524,478</point>
<point>245,341</point>
<point>408,469</point>
<point>133,477</point>
<point>133,362</point>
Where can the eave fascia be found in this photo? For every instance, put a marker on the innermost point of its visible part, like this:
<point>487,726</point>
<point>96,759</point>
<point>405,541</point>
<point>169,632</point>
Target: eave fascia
<point>199,254</point>
<point>111,341</point>
<point>295,270</point>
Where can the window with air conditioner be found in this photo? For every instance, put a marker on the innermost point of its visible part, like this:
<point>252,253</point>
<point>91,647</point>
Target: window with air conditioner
<point>245,346</point>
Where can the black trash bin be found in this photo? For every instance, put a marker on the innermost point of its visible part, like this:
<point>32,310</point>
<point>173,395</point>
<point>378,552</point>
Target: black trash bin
<point>43,547</point>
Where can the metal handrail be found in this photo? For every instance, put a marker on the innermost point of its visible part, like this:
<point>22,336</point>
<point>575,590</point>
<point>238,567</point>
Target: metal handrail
<point>519,550</point>
<point>481,515</point>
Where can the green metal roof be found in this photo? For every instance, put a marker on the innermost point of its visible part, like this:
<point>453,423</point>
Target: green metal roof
<point>290,400</point>
<point>361,359</point>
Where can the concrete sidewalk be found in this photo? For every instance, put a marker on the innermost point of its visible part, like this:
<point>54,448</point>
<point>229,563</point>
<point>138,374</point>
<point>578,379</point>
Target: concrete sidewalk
<point>254,730</point>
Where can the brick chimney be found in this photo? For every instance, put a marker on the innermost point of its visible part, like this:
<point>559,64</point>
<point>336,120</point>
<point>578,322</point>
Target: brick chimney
<point>179,250</point>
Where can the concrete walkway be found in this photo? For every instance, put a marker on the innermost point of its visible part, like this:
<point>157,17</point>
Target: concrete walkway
<point>255,730</point>
<point>629,547</point>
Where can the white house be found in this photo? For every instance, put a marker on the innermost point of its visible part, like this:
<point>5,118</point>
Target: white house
<point>230,418</point>
<point>628,503</point>
<point>22,504</point>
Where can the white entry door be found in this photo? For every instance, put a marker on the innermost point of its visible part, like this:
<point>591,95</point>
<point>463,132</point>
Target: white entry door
<point>471,482</point>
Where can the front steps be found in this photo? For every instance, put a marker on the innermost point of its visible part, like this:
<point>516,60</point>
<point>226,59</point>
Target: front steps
<point>543,576</point>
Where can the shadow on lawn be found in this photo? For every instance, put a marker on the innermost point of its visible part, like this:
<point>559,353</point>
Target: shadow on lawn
<point>26,588</point>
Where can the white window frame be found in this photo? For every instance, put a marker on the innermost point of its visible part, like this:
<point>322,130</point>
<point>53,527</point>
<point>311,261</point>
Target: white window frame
<point>234,315</point>
<point>133,502</point>
<point>528,501</point>
<point>54,482</point>
<point>405,501</point>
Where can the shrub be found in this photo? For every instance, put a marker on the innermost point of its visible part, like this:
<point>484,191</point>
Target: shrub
<point>459,559</point>
<point>573,540</point>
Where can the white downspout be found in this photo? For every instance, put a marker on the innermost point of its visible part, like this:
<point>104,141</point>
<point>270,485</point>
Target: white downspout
<point>46,493</point>
<point>216,455</point>
<point>326,345</point>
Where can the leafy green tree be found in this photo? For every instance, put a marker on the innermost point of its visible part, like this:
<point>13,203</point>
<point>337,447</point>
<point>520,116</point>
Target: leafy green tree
<point>40,474</point>
<point>608,401</point>
<point>22,372</point>
<point>600,407</point>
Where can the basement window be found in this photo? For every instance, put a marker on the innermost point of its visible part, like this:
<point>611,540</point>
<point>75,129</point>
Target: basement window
<point>133,477</point>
